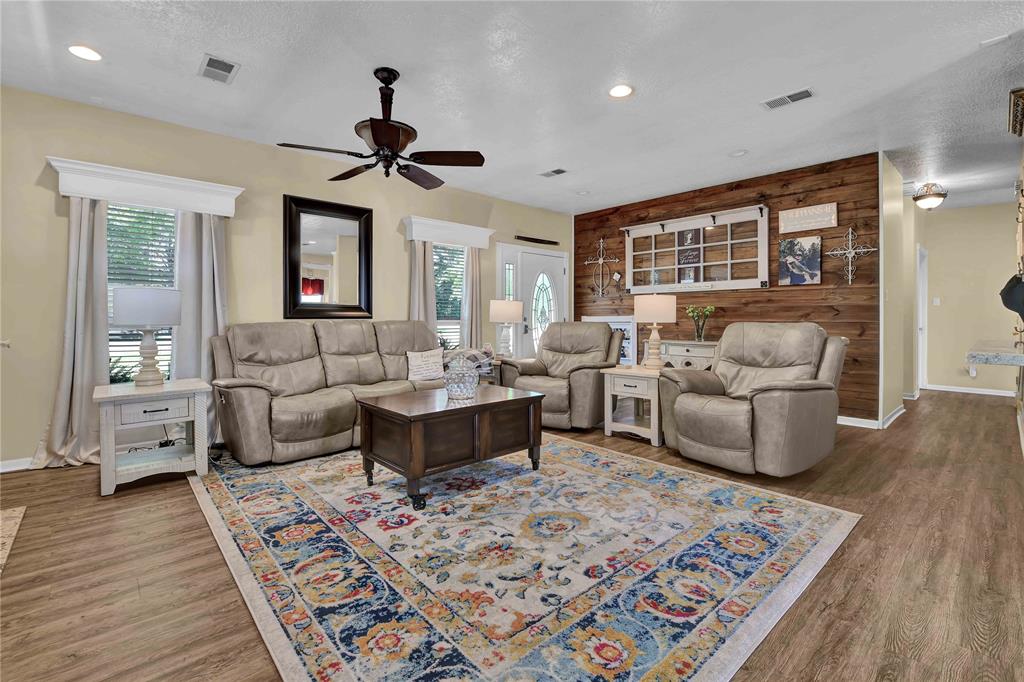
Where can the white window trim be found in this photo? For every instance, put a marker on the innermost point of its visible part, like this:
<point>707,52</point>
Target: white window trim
<point>138,188</point>
<point>446,232</point>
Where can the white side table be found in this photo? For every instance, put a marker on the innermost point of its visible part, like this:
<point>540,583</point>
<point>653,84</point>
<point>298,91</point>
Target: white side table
<point>127,406</point>
<point>636,383</point>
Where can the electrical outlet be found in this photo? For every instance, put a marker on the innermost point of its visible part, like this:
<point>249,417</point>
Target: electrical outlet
<point>936,301</point>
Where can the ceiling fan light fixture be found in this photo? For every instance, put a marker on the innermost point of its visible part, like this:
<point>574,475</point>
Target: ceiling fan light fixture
<point>621,90</point>
<point>930,195</point>
<point>86,53</point>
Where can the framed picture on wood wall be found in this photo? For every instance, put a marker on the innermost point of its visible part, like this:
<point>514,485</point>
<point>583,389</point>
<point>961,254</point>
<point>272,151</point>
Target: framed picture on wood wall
<point>799,261</point>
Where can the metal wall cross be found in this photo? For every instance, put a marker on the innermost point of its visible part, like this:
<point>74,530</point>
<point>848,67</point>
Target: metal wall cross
<point>601,271</point>
<point>851,251</point>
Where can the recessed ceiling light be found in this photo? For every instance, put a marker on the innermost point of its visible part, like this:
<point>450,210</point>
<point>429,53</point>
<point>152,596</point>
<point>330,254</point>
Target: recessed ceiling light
<point>621,90</point>
<point>738,153</point>
<point>86,53</point>
<point>583,192</point>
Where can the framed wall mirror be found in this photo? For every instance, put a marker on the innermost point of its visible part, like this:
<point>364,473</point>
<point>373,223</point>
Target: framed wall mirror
<point>328,259</point>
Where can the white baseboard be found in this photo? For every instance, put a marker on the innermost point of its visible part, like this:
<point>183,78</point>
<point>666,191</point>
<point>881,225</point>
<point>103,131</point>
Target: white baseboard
<point>8,465</point>
<point>891,417</point>
<point>859,423</point>
<point>967,389</point>
<point>912,396</point>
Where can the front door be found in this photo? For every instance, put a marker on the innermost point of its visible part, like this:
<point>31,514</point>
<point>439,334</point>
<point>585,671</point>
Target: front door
<point>541,283</point>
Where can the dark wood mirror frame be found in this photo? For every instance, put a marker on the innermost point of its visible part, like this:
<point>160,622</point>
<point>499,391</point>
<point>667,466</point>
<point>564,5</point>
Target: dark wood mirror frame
<point>294,308</point>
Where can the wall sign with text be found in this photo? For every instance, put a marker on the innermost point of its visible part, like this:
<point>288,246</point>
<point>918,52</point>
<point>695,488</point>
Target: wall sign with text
<point>808,218</point>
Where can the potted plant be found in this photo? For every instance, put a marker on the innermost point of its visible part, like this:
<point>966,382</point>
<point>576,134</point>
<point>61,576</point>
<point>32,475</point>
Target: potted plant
<point>700,316</point>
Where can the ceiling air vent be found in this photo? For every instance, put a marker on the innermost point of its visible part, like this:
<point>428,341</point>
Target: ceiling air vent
<point>776,102</point>
<point>553,172</point>
<point>220,70</point>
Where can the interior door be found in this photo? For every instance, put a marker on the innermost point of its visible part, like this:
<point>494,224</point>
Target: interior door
<point>542,285</point>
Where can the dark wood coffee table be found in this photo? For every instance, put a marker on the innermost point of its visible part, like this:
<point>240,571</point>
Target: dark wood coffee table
<point>423,433</point>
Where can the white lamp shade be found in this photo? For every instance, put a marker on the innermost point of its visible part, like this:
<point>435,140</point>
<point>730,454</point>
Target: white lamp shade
<point>654,308</point>
<point>504,311</point>
<point>146,307</point>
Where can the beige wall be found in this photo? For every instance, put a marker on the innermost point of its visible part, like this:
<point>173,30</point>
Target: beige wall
<point>909,258</point>
<point>33,251</point>
<point>971,254</point>
<point>891,381</point>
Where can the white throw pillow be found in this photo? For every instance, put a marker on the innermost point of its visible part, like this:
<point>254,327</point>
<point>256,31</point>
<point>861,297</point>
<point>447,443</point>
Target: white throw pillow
<point>425,365</point>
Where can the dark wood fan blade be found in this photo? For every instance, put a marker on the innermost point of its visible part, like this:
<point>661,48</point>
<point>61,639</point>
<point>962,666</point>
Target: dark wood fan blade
<point>421,177</point>
<point>358,170</point>
<point>385,134</point>
<point>323,149</point>
<point>448,158</point>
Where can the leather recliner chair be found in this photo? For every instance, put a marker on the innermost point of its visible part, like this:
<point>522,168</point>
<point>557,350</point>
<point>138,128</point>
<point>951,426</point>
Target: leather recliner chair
<point>567,370</point>
<point>769,403</point>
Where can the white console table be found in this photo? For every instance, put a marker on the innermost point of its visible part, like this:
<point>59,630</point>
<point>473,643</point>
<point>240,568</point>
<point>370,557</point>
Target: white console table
<point>127,406</point>
<point>1007,354</point>
<point>686,354</point>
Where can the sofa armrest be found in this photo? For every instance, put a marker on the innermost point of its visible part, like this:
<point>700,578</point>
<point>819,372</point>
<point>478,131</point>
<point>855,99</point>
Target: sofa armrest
<point>243,410</point>
<point>526,366</point>
<point>695,381</point>
<point>591,365</point>
<point>228,384</point>
<point>792,385</point>
<point>586,396</point>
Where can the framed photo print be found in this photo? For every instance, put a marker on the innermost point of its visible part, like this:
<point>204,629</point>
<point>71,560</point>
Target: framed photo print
<point>799,261</point>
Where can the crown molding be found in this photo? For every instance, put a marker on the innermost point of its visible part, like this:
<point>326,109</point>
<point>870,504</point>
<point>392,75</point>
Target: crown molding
<point>445,232</point>
<point>123,185</point>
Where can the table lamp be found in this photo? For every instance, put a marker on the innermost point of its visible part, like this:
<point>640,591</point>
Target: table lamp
<point>505,313</point>
<point>147,309</point>
<point>654,309</point>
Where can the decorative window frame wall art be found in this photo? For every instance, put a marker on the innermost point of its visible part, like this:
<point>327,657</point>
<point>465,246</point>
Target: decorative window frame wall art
<point>715,251</point>
<point>800,261</point>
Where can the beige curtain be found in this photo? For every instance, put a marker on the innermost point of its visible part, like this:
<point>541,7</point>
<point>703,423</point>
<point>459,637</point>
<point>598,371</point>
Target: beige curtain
<point>201,277</point>
<point>73,434</point>
<point>422,304</point>
<point>472,325</point>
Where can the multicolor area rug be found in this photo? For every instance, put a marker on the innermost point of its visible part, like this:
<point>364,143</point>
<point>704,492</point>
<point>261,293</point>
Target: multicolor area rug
<point>10,522</point>
<point>600,566</point>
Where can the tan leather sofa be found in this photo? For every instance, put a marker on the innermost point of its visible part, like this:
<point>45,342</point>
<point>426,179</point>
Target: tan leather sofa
<point>287,390</point>
<point>769,403</point>
<point>567,370</point>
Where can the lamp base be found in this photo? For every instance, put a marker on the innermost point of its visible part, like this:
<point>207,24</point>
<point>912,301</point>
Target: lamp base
<point>149,373</point>
<point>505,340</point>
<point>654,360</point>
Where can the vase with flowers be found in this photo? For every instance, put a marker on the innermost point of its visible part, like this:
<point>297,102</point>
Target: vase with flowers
<point>699,315</point>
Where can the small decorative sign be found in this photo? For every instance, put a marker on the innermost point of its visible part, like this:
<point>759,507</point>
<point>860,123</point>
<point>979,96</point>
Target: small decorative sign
<point>808,218</point>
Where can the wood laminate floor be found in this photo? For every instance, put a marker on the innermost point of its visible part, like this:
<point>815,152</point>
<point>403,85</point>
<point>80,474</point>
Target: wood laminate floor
<point>929,585</point>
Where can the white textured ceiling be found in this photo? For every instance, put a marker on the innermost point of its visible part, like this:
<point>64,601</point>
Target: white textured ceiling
<point>526,84</point>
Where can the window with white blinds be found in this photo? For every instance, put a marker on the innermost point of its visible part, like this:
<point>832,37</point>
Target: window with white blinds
<point>140,252</point>
<point>449,275</point>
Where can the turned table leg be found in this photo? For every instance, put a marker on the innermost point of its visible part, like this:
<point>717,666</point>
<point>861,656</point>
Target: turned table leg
<point>412,487</point>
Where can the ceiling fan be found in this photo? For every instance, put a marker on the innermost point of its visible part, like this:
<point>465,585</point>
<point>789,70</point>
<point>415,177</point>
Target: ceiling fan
<point>387,139</point>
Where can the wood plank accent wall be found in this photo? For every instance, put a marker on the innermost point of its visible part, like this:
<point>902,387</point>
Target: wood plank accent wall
<point>846,310</point>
